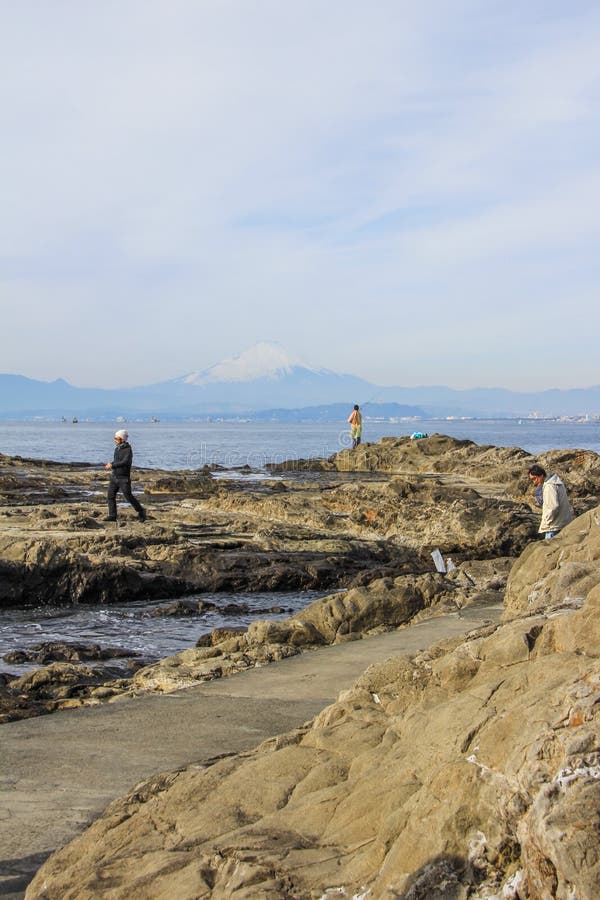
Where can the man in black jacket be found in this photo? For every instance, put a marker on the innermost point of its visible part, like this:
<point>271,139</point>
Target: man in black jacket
<point>120,478</point>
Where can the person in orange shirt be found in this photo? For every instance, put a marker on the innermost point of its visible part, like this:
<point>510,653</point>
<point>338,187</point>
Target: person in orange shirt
<point>355,422</point>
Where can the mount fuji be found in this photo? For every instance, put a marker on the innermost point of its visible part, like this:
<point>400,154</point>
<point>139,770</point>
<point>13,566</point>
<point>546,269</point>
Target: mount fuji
<point>264,376</point>
<point>266,382</point>
<point>263,360</point>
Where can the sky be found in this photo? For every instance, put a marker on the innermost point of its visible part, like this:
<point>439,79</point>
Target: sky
<point>403,190</point>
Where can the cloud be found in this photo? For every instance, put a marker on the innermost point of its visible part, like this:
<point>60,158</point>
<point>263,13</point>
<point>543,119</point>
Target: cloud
<point>209,175</point>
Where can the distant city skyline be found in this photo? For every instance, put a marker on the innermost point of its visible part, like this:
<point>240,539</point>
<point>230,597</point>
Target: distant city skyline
<point>405,192</point>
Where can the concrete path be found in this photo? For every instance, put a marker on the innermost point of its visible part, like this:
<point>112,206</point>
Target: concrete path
<point>58,772</point>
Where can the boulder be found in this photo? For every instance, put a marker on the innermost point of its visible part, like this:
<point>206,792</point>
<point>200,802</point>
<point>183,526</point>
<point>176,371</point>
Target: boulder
<point>558,572</point>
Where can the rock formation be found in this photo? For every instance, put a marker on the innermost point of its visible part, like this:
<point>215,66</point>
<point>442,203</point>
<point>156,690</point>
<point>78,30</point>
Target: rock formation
<point>470,770</point>
<point>440,454</point>
<point>366,513</point>
<point>365,521</point>
<point>383,604</point>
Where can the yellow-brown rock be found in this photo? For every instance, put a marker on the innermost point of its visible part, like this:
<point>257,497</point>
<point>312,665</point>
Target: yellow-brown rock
<point>470,770</point>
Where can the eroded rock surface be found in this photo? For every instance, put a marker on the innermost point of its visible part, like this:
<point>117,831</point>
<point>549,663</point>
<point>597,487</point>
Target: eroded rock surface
<point>383,604</point>
<point>565,569</point>
<point>375,511</point>
<point>367,521</point>
<point>470,770</point>
<point>440,454</point>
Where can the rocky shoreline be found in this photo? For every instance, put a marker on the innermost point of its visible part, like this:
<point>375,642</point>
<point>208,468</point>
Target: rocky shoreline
<point>362,523</point>
<point>491,742</point>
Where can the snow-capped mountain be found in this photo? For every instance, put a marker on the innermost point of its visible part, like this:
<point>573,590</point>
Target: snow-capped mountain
<point>263,360</point>
<point>264,376</point>
<point>267,378</point>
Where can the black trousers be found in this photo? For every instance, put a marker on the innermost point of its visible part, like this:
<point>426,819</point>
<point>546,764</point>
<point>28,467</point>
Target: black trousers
<point>123,485</point>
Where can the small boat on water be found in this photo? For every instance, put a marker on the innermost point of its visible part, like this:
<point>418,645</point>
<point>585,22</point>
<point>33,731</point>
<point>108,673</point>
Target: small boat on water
<point>154,419</point>
<point>75,420</point>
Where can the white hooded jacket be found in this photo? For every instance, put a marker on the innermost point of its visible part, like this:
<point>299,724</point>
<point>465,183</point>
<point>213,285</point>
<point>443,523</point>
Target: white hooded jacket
<point>556,509</point>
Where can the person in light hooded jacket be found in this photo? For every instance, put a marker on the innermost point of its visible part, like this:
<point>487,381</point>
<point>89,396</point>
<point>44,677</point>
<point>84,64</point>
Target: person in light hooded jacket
<point>551,495</point>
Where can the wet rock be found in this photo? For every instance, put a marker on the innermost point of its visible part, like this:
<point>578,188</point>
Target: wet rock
<point>36,571</point>
<point>301,465</point>
<point>271,610</point>
<point>70,651</point>
<point>234,609</point>
<point>181,608</point>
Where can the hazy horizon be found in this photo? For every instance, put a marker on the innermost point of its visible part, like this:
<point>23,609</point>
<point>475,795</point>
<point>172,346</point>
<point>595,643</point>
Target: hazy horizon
<point>223,370</point>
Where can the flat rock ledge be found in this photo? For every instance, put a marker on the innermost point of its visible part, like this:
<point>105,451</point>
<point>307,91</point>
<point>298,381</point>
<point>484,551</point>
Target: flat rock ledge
<point>471,770</point>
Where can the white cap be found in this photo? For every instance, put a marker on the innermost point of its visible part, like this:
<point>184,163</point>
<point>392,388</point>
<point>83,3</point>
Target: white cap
<point>122,434</point>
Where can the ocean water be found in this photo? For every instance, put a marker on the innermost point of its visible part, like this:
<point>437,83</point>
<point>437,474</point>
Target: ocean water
<point>130,626</point>
<point>191,445</point>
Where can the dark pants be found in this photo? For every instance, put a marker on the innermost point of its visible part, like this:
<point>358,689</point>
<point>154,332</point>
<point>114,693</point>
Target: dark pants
<point>123,485</point>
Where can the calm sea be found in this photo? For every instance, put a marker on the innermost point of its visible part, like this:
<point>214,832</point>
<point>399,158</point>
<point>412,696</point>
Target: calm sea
<point>192,445</point>
<point>189,445</point>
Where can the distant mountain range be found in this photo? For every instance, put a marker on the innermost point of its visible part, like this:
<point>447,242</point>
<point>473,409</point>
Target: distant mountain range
<point>264,382</point>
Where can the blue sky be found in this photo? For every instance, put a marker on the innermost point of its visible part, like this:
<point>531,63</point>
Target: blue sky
<point>405,191</point>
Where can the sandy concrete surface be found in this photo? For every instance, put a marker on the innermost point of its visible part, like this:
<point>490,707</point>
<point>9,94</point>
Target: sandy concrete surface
<point>58,772</point>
